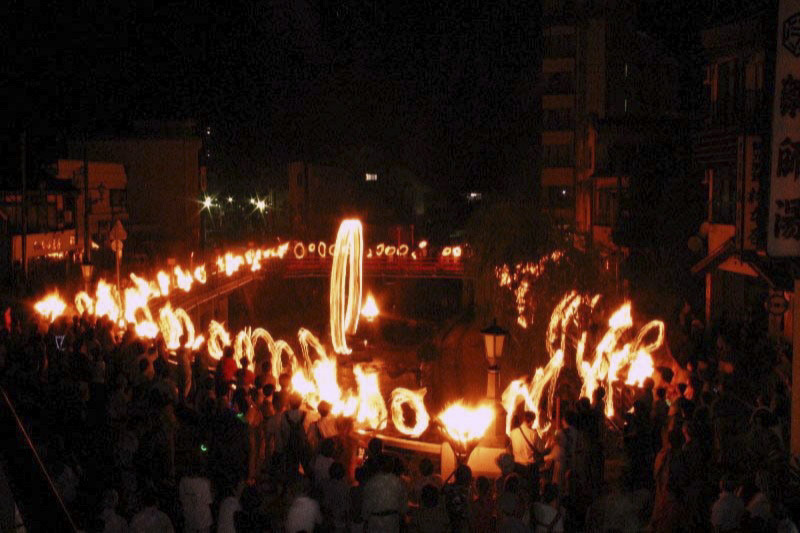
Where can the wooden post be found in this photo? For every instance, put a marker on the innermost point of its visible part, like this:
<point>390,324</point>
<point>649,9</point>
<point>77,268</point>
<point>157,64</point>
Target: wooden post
<point>795,422</point>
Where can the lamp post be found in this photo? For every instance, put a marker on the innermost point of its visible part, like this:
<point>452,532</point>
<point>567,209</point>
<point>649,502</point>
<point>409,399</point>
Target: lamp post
<point>494,338</point>
<point>86,270</point>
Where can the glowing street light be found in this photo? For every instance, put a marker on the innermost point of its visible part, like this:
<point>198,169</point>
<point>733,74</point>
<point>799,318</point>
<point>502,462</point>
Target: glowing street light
<point>230,199</point>
<point>261,205</point>
<point>208,203</point>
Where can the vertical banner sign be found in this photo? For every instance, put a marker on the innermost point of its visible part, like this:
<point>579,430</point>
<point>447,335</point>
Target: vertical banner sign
<point>752,172</point>
<point>784,203</point>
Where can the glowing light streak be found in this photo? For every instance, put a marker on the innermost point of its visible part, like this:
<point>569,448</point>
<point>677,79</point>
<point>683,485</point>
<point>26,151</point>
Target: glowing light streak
<point>299,251</point>
<point>218,338</point>
<point>414,399</point>
<point>345,288</point>
<point>170,326</point>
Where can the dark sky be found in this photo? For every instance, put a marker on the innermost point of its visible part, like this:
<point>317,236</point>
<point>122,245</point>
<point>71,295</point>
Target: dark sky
<point>446,88</point>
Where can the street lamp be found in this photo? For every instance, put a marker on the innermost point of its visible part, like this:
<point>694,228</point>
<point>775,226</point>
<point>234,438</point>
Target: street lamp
<point>494,340</point>
<point>86,270</point>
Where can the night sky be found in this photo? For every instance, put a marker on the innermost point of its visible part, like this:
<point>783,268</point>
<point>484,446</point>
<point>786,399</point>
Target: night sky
<point>447,89</point>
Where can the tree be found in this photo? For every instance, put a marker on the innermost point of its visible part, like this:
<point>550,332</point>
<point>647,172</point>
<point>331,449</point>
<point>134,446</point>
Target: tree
<point>521,265</point>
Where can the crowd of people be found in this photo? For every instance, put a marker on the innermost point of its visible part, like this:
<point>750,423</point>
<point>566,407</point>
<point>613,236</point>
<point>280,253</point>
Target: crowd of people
<point>138,439</point>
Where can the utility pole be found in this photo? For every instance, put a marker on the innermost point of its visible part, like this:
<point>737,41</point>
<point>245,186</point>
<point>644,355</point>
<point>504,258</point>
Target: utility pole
<point>24,203</point>
<point>87,249</point>
<point>86,266</point>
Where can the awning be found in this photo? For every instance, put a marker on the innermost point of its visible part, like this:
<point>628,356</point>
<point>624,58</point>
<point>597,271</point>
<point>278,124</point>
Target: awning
<point>713,259</point>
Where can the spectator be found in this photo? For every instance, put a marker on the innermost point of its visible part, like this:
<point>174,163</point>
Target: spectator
<point>304,513</point>
<point>194,493</point>
<point>524,440</point>
<point>227,510</point>
<point>323,461</point>
<point>384,500</point>
<point>548,516</point>
<point>112,522</point>
<point>431,516</point>
<point>294,449</point>
<point>251,519</point>
<point>322,428</point>
<point>483,516</point>
<point>511,506</point>
<point>245,378</point>
<point>727,512</point>
<point>667,514</point>
<point>226,367</point>
<point>458,499</point>
<point>427,476</point>
<point>336,497</point>
<point>150,518</point>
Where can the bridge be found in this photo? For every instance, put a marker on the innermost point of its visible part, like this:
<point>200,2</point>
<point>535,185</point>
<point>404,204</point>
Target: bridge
<point>315,267</point>
<point>211,299</point>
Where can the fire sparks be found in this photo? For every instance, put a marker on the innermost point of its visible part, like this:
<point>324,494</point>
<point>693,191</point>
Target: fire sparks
<point>611,358</point>
<point>345,290</point>
<point>370,309</point>
<point>371,407</point>
<point>51,306</point>
<point>414,399</point>
<point>218,339</point>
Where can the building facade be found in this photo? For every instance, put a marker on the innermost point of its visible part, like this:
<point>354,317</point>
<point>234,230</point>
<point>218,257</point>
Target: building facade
<point>163,165</point>
<point>48,226</point>
<point>731,157</point>
<point>608,93</point>
<point>108,189</point>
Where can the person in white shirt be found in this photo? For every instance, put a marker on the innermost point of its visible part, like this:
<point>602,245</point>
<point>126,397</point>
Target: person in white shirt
<point>727,511</point>
<point>194,492</point>
<point>524,440</point>
<point>547,514</point>
<point>227,511</point>
<point>385,500</point>
<point>304,513</point>
<point>150,518</point>
<point>114,523</point>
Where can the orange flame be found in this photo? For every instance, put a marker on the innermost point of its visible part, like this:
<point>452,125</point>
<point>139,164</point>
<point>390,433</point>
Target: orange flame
<point>371,408</point>
<point>466,425</point>
<point>370,308</point>
<point>51,306</point>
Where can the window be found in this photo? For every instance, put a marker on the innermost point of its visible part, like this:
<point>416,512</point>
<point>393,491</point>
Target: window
<point>557,119</point>
<point>560,197</point>
<point>118,198</point>
<point>559,83</point>
<point>557,155</point>
<point>560,45</point>
<point>370,177</point>
<point>606,207</point>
